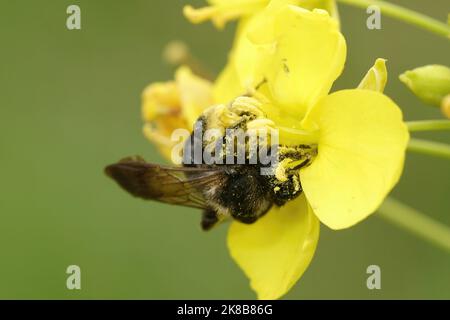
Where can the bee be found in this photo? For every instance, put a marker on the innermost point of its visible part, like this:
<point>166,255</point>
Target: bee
<point>222,191</point>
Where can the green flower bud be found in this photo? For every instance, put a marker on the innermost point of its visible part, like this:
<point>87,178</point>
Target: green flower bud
<point>429,83</point>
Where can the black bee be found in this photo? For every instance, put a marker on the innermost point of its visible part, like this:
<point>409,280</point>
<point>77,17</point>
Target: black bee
<point>238,191</point>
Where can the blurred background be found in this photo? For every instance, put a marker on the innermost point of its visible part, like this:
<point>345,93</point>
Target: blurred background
<point>70,104</point>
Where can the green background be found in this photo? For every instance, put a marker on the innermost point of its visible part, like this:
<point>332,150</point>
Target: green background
<point>70,104</point>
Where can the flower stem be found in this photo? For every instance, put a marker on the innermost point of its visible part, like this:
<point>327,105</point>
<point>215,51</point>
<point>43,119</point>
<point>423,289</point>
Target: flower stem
<point>428,125</point>
<point>404,14</point>
<point>431,148</point>
<point>416,222</point>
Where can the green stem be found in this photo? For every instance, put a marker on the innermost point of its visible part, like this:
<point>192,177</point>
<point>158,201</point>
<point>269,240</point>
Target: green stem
<point>407,15</point>
<point>416,222</point>
<point>428,125</point>
<point>430,148</point>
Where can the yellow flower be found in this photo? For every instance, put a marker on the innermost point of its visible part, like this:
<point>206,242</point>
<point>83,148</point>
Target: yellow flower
<point>288,58</point>
<point>222,11</point>
<point>293,56</point>
<point>174,105</point>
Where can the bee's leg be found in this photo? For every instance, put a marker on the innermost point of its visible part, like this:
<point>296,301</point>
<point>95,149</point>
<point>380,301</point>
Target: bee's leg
<point>209,219</point>
<point>247,106</point>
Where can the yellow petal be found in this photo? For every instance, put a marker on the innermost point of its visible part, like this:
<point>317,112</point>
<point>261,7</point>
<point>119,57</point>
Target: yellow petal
<point>159,98</point>
<point>222,11</point>
<point>195,94</point>
<point>300,54</point>
<point>360,157</point>
<point>329,5</point>
<point>244,55</point>
<point>275,251</point>
<point>236,78</point>
<point>376,77</point>
<point>167,106</point>
<point>228,85</point>
<point>241,73</point>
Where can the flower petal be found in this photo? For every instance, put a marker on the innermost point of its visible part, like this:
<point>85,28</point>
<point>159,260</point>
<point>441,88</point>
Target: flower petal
<point>300,54</point>
<point>195,94</point>
<point>222,11</point>
<point>229,85</point>
<point>167,106</point>
<point>275,251</point>
<point>329,5</point>
<point>360,158</point>
<point>279,38</point>
<point>376,77</point>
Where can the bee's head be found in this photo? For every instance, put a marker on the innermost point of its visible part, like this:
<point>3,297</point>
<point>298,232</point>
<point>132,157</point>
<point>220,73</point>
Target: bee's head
<point>286,179</point>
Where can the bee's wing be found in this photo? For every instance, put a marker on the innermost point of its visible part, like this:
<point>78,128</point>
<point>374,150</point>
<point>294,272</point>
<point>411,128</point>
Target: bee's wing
<point>174,185</point>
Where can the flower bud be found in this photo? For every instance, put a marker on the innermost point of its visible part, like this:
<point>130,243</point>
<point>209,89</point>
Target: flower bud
<point>429,83</point>
<point>176,53</point>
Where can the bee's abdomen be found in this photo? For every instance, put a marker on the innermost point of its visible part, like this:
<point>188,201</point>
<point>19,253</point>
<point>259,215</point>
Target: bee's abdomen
<point>245,194</point>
